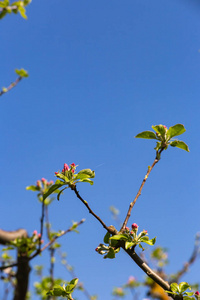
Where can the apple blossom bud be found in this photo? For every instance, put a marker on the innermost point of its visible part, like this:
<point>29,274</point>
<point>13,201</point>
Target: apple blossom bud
<point>134,226</point>
<point>145,231</point>
<point>42,242</point>
<point>56,173</point>
<point>39,235</point>
<point>73,165</point>
<point>127,228</point>
<point>44,180</point>
<point>38,183</point>
<point>66,168</point>
<point>197,293</point>
<point>35,232</point>
<point>96,249</point>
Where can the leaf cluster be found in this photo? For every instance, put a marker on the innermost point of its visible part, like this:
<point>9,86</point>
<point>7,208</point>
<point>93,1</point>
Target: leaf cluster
<point>16,7</point>
<point>69,179</point>
<point>65,290</point>
<point>180,289</point>
<point>164,136</point>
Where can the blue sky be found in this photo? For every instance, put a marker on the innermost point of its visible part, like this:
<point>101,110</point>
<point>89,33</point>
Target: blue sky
<point>101,72</point>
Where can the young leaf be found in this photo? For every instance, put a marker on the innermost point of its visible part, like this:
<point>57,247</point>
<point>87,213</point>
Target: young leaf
<point>33,188</point>
<point>175,130</point>
<point>52,189</point>
<point>180,144</point>
<point>106,238</point>
<point>146,135</point>
<point>174,287</point>
<point>159,129</point>
<point>21,73</point>
<point>87,172</point>
<point>184,286</point>
<point>87,180</point>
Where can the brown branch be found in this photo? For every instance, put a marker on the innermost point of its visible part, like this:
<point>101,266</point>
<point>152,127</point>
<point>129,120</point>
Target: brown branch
<point>138,194</point>
<point>54,239</point>
<point>22,264</point>
<point>149,272</point>
<point>12,85</point>
<point>22,278</point>
<point>110,229</point>
<point>8,236</point>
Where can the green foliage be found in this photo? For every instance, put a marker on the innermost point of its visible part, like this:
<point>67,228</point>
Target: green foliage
<point>65,290</point>
<point>129,238</point>
<point>164,136</point>
<point>180,289</point>
<point>25,246</point>
<point>68,178</point>
<point>15,7</point>
<point>45,284</point>
<point>43,186</point>
<point>21,72</point>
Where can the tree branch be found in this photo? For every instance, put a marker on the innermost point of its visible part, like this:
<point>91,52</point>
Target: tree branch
<point>12,85</point>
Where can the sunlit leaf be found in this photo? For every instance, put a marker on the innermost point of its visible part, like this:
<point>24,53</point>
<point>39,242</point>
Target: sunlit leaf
<point>146,135</point>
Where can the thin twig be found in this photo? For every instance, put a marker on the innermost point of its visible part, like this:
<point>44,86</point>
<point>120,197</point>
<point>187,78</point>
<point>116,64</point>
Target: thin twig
<point>55,238</point>
<point>156,160</point>
<point>138,194</point>
<point>12,85</point>
<point>91,212</point>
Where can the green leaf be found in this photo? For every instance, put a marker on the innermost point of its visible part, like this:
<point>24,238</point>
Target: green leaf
<point>86,173</point>
<point>129,245</point>
<point>174,287</point>
<point>87,180</point>
<point>106,238</point>
<point>159,129</point>
<point>21,73</point>
<point>120,237</point>
<point>33,188</point>
<point>146,240</point>
<point>146,135</point>
<point>22,12</point>
<point>58,196</point>
<point>175,130</point>
<point>110,254</point>
<point>180,144</point>
<point>53,188</point>
<point>183,286</point>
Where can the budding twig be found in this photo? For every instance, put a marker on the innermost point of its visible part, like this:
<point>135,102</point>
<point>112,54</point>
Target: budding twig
<point>156,160</point>
<point>12,85</point>
<point>91,212</point>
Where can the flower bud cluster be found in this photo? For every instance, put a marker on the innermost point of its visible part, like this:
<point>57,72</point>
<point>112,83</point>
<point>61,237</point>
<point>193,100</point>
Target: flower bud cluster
<point>37,236</point>
<point>44,183</point>
<point>67,168</point>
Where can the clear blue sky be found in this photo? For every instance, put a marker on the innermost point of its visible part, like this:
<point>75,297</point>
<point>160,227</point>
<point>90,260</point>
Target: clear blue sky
<point>101,72</point>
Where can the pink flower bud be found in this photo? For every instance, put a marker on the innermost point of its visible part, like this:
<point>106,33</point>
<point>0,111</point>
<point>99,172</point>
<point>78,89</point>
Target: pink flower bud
<point>197,293</point>
<point>66,168</point>
<point>56,173</point>
<point>72,170</point>
<point>145,231</point>
<point>42,241</point>
<point>51,182</point>
<point>96,249</point>
<point>131,279</point>
<point>43,180</point>
<point>38,183</point>
<point>127,228</point>
<point>134,226</point>
<point>73,165</point>
<point>165,126</point>
<point>35,232</point>
<point>39,235</point>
